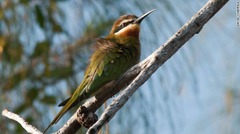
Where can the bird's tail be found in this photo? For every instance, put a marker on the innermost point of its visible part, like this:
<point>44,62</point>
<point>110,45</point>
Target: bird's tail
<point>67,105</point>
<point>63,103</point>
<point>79,100</point>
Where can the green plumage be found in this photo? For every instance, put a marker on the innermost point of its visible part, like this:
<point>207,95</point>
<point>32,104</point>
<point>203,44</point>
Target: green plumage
<point>113,56</point>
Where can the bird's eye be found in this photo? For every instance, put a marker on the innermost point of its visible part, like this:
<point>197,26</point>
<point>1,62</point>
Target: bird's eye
<point>123,25</point>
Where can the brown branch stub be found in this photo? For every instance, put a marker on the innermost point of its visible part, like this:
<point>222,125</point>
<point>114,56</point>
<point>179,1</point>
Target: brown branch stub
<point>86,118</point>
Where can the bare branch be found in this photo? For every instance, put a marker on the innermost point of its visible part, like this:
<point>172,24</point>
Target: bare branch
<point>159,57</point>
<point>29,128</point>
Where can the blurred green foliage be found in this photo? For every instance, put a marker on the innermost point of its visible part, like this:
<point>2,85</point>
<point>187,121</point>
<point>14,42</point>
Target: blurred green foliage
<point>33,61</point>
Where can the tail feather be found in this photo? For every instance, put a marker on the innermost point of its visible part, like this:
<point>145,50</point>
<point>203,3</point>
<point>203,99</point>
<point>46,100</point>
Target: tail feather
<point>63,103</point>
<point>69,104</point>
<point>77,97</point>
<point>78,101</point>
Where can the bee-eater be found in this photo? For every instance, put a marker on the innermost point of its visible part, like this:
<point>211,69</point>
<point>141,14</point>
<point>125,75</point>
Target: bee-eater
<point>114,55</point>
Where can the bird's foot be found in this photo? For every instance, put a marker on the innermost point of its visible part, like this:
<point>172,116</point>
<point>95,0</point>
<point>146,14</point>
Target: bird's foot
<point>86,118</point>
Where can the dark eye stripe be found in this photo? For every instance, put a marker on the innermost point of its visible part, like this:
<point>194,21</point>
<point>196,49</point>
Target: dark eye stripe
<point>123,24</point>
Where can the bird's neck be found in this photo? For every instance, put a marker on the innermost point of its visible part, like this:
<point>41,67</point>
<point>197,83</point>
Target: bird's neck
<point>124,40</point>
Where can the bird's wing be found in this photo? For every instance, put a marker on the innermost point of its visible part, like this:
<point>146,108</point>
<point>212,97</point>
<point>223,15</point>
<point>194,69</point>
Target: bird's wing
<point>106,64</point>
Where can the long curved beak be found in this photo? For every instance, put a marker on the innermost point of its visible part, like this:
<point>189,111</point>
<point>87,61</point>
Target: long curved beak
<point>139,19</point>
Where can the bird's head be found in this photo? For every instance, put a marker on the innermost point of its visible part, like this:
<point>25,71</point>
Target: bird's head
<point>128,25</point>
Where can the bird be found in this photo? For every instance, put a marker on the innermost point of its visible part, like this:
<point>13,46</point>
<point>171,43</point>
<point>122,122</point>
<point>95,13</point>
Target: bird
<point>113,56</point>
